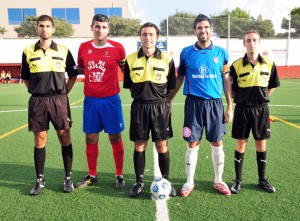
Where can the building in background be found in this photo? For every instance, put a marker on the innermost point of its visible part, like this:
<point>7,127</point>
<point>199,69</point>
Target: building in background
<point>77,12</point>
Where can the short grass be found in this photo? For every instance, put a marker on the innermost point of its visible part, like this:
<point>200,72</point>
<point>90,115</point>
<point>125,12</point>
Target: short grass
<point>103,202</point>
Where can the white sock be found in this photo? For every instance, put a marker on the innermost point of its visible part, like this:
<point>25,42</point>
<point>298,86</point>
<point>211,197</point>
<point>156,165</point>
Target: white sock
<point>218,157</point>
<point>191,157</point>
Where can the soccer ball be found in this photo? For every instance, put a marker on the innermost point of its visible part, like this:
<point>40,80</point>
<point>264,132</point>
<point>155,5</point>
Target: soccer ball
<point>160,188</point>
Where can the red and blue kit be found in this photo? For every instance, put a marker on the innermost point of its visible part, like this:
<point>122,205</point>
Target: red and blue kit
<point>101,67</point>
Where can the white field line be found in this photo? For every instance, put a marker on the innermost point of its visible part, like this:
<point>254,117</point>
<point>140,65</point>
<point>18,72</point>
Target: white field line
<point>162,212</point>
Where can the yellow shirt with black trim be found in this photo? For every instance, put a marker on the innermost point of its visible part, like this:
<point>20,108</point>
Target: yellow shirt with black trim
<point>2,75</point>
<point>250,83</point>
<point>149,78</point>
<point>45,69</point>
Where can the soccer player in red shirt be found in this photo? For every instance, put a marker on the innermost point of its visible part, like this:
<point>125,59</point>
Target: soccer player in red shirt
<point>99,60</point>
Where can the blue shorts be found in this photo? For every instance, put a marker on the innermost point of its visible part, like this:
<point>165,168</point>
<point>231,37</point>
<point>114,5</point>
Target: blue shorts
<point>103,114</point>
<point>201,113</point>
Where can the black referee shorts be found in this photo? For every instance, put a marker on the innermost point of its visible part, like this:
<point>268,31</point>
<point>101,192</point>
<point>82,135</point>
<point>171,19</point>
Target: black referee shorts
<point>154,117</point>
<point>247,118</point>
<point>42,110</point>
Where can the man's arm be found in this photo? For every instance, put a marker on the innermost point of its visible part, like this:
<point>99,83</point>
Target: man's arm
<point>72,71</point>
<point>228,94</point>
<point>127,82</point>
<point>80,70</point>
<point>25,71</point>
<point>122,65</point>
<point>71,83</point>
<point>270,91</point>
<point>173,92</point>
<point>26,82</point>
<point>233,79</point>
<point>274,80</point>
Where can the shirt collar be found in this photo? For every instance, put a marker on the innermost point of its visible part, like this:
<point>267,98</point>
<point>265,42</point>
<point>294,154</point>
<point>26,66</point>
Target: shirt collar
<point>157,53</point>
<point>52,46</point>
<point>260,59</point>
<point>210,47</point>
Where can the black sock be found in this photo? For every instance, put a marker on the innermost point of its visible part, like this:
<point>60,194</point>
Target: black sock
<point>67,155</point>
<point>139,165</point>
<point>164,164</point>
<point>261,158</point>
<point>39,161</point>
<point>238,164</point>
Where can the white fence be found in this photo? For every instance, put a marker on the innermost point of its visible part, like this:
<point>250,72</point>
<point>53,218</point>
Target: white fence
<point>11,49</point>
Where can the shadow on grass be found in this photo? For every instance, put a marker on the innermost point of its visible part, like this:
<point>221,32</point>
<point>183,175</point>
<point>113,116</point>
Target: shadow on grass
<point>206,187</point>
<point>106,186</point>
<point>22,179</point>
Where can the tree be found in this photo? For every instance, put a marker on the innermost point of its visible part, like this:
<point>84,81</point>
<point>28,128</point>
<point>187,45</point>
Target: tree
<point>27,29</point>
<point>124,26</point>
<point>236,26</point>
<point>240,22</point>
<point>295,22</point>
<point>63,28</point>
<point>2,30</point>
<point>264,27</point>
<point>181,23</point>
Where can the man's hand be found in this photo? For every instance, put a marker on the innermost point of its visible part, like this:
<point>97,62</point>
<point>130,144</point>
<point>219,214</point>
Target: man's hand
<point>228,116</point>
<point>225,69</point>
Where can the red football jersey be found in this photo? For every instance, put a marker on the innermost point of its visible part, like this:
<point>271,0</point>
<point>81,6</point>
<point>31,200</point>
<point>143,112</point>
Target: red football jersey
<point>100,64</point>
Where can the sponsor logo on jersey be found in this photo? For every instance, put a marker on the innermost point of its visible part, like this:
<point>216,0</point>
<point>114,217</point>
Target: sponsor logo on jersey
<point>204,73</point>
<point>96,70</point>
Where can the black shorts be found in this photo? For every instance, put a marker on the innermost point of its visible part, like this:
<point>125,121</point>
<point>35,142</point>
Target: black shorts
<point>42,110</point>
<point>154,117</point>
<point>247,118</point>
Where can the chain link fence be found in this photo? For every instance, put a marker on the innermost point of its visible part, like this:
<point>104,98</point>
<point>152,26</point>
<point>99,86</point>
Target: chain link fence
<point>228,32</point>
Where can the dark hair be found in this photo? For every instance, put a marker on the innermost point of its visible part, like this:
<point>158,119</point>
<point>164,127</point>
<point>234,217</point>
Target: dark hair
<point>100,18</point>
<point>201,18</point>
<point>44,18</point>
<point>252,31</point>
<point>149,24</point>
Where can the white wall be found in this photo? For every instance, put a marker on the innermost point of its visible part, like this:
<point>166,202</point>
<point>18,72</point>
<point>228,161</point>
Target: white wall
<point>11,49</point>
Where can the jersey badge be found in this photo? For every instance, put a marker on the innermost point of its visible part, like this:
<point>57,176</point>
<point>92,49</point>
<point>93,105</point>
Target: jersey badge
<point>216,60</point>
<point>57,65</point>
<point>158,77</point>
<point>106,54</point>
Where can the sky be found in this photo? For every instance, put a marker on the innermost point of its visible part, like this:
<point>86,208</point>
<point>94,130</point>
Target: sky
<point>157,10</point>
